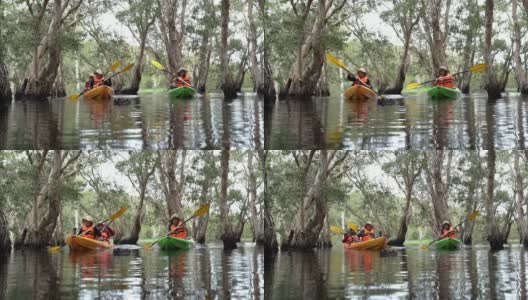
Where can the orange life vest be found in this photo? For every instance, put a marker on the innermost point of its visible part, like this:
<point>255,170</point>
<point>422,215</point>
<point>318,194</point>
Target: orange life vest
<point>89,232</point>
<point>364,80</point>
<point>98,81</point>
<point>446,81</point>
<point>183,80</point>
<point>451,235</point>
<point>367,234</point>
<point>180,233</point>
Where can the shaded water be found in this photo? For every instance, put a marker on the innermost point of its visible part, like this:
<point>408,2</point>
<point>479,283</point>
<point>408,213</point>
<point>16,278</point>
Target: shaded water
<point>200,273</point>
<point>413,122</point>
<point>147,122</point>
<point>470,273</point>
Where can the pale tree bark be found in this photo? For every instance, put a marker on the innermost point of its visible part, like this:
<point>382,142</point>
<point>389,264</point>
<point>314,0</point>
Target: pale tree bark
<point>438,177</point>
<point>5,89</point>
<point>228,84</point>
<point>59,87</point>
<point>519,200</point>
<point>206,182</point>
<point>322,88</point>
<point>172,178</point>
<point>5,241</point>
<point>267,89</point>
<point>520,73</point>
<point>436,25</point>
<point>255,66</point>
<point>228,232</point>
<point>468,55</point>
<point>269,237</point>
<point>492,84</point>
<point>206,48</point>
<point>171,24</point>
<point>256,227</point>
<point>494,236</point>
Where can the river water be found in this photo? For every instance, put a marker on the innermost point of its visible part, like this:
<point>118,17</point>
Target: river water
<point>470,273</point>
<point>150,121</point>
<point>204,272</point>
<point>413,122</point>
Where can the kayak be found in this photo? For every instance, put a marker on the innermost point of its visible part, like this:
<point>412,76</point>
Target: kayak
<point>183,92</point>
<point>374,244</point>
<point>79,243</point>
<point>100,92</point>
<point>437,93</point>
<point>172,243</point>
<point>448,244</point>
<point>359,92</point>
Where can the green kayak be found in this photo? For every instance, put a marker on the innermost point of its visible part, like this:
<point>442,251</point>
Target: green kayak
<point>448,244</point>
<point>437,93</point>
<point>172,243</point>
<point>182,92</point>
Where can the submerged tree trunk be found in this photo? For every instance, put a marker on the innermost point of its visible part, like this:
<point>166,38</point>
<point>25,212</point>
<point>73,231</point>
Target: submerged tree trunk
<point>438,178</point>
<point>172,32</point>
<point>59,87</point>
<point>494,237</point>
<point>172,177</point>
<point>322,88</point>
<point>133,236</point>
<point>5,90</point>
<point>252,179</point>
<point>492,85</point>
<point>519,203</point>
<point>228,84</point>
<point>228,233</point>
<point>204,53</point>
<point>138,68</point>
<point>5,241</point>
<point>267,89</point>
<point>520,73</point>
<point>436,26</point>
<point>269,237</point>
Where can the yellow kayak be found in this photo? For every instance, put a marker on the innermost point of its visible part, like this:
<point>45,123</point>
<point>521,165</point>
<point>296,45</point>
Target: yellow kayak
<point>78,243</point>
<point>360,92</point>
<point>100,92</point>
<point>374,244</point>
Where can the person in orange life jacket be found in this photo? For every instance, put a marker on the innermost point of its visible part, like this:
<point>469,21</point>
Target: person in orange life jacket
<point>362,76</point>
<point>448,231</point>
<point>98,79</point>
<point>88,83</point>
<point>367,232</point>
<point>350,237</point>
<point>444,78</point>
<point>90,231</point>
<point>176,227</point>
<point>182,78</point>
<point>106,233</point>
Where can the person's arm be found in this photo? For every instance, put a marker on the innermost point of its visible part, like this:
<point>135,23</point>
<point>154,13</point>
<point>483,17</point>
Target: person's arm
<point>108,82</point>
<point>369,84</point>
<point>351,77</point>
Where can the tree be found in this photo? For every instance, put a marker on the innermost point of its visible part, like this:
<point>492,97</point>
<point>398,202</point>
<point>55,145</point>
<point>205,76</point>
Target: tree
<point>520,73</point>
<point>228,84</point>
<point>171,26</point>
<point>436,26</point>
<point>5,90</point>
<point>492,85</point>
<point>172,177</point>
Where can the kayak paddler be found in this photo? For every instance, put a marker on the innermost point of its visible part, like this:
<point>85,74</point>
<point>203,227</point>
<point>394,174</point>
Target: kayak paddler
<point>90,232</point>
<point>176,224</point>
<point>448,231</point>
<point>361,75</point>
<point>367,232</point>
<point>350,237</point>
<point>98,79</point>
<point>182,78</point>
<point>444,78</point>
<point>106,233</point>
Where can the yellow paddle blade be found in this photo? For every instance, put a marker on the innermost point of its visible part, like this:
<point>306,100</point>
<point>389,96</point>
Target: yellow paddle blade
<point>411,86</point>
<point>202,210</point>
<point>74,97</point>
<point>115,66</point>
<point>149,246</point>
<point>157,65</point>
<point>336,229</point>
<point>56,248</point>
<point>473,215</point>
<point>424,247</point>
<point>352,226</point>
<point>478,68</point>
<point>119,213</point>
<point>127,68</point>
<point>335,60</point>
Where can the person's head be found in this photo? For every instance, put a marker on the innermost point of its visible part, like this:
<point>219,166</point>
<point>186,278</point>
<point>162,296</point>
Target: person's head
<point>88,221</point>
<point>351,231</point>
<point>362,72</point>
<point>446,225</point>
<point>91,77</point>
<point>98,73</point>
<point>182,71</point>
<point>443,71</point>
<point>175,220</point>
<point>368,226</point>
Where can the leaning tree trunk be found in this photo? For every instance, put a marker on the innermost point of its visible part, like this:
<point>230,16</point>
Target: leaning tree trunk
<point>267,88</point>
<point>204,53</point>
<point>228,84</point>
<point>252,179</point>
<point>59,87</point>
<point>492,85</point>
<point>5,241</point>
<point>519,203</point>
<point>520,74</point>
<point>228,234</point>
<point>438,185</point>
<point>269,238</point>
<point>173,33</point>
<point>133,237</point>
<point>404,221</point>
<point>138,69</point>
<point>322,88</point>
<point>397,87</point>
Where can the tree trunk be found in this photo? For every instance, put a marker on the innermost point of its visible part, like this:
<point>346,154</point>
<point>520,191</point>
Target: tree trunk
<point>172,33</point>
<point>173,183</point>
<point>204,54</point>
<point>138,68</point>
<point>269,237</point>
<point>5,90</point>
<point>520,74</point>
<point>437,33</point>
<point>5,241</point>
<point>228,85</point>
<point>438,185</point>
<point>519,203</point>
<point>267,89</point>
<point>397,87</point>
<point>228,233</point>
<point>59,87</point>
<point>492,85</point>
<point>322,88</point>
<point>133,237</point>
<point>494,237</point>
<point>200,224</point>
<point>255,222</point>
<point>404,221</point>
<point>255,70</point>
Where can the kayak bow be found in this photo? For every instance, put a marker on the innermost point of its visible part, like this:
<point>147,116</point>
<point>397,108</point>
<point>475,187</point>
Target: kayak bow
<point>438,93</point>
<point>172,243</point>
<point>359,92</point>
<point>374,244</point>
<point>79,243</point>
<point>183,92</point>
<point>448,244</point>
<point>100,92</point>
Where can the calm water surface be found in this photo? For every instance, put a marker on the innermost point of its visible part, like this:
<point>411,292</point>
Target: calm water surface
<point>200,273</point>
<point>150,121</point>
<point>413,122</point>
<point>470,273</point>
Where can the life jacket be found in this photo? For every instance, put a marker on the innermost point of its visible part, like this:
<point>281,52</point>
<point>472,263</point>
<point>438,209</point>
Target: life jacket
<point>106,234</point>
<point>367,234</point>
<point>89,232</point>
<point>364,80</point>
<point>87,85</point>
<point>180,233</point>
<point>98,81</point>
<point>446,81</point>
<point>186,80</point>
<point>451,235</point>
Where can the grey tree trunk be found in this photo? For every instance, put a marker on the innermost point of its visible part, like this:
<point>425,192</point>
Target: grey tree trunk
<point>438,178</point>
<point>492,85</point>
<point>520,73</point>
<point>5,241</point>
<point>228,233</point>
<point>228,84</point>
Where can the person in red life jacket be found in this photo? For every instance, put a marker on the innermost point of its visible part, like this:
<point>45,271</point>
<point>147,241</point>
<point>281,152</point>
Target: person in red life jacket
<point>88,83</point>
<point>88,230</point>
<point>176,228</point>
<point>367,232</point>
<point>98,79</point>
<point>106,233</point>
<point>350,237</point>
<point>444,78</point>
<point>183,78</point>
<point>448,231</point>
<point>361,78</point>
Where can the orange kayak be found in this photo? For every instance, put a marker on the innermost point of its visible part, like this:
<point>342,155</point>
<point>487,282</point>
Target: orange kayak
<point>100,92</point>
<point>78,243</point>
<point>374,244</point>
<point>359,92</point>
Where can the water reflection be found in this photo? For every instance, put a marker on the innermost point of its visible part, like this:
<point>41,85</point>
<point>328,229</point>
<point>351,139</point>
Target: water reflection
<point>471,273</point>
<point>200,273</point>
<point>145,122</point>
<point>471,122</point>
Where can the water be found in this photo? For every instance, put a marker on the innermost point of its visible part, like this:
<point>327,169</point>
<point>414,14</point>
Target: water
<point>470,273</point>
<point>147,122</point>
<point>205,272</point>
<point>414,122</point>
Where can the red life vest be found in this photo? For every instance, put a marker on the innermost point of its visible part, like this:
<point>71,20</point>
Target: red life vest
<point>180,233</point>
<point>446,81</point>
<point>364,80</point>
<point>367,234</point>
<point>184,80</point>
<point>98,81</point>
<point>89,232</point>
<point>451,235</point>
